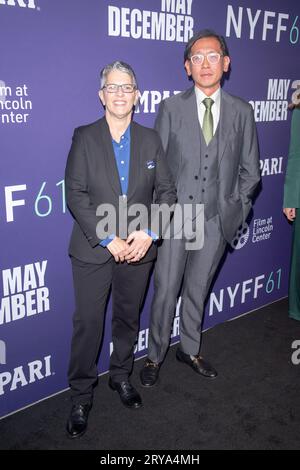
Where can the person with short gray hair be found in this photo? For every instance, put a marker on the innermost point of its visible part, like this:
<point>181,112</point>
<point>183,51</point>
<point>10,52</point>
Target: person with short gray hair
<point>119,66</point>
<point>118,163</point>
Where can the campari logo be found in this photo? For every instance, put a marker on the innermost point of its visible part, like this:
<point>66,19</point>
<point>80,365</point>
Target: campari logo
<point>20,3</point>
<point>25,374</point>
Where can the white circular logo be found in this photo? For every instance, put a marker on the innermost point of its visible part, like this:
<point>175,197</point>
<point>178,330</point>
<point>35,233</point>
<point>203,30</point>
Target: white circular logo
<point>241,237</point>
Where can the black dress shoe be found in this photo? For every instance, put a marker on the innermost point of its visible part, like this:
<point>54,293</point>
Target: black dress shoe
<point>199,365</point>
<point>128,394</point>
<point>78,420</point>
<point>149,373</point>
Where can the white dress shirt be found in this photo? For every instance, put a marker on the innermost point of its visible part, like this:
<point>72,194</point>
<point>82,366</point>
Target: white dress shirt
<point>215,109</point>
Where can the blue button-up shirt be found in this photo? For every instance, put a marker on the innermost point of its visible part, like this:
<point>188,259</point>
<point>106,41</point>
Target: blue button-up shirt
<point>122,156</point>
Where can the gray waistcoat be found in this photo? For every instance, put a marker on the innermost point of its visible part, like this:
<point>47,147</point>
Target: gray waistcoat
<point>207,193</point>
<point>197,179</point>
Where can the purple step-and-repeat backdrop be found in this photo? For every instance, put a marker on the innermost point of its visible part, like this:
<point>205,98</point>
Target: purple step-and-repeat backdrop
<point>51,55</point>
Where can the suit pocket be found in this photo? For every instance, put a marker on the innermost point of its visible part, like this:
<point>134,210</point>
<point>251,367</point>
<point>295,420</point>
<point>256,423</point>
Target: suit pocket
<point>175,166</point>
<point>246,209</point>
<point>235,197</point>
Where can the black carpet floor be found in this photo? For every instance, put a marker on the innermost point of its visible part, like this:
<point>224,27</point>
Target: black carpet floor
<point>253,404</point>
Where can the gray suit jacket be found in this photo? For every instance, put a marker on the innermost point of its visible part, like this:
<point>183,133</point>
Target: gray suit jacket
<point>238,158</point>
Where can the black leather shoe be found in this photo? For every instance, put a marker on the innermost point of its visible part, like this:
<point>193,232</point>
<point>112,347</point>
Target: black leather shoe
<point>128,394</point>
<point>149,373</point>
<point>78,420</point>
<point>199,365</point>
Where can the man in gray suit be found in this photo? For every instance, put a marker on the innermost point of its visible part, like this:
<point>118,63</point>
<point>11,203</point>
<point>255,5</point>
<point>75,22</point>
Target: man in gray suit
<point>211,144</point>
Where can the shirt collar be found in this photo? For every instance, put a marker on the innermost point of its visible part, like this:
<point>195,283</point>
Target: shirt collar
<point>126,134</point>
<point>124,137</point>
<point>200,95</point>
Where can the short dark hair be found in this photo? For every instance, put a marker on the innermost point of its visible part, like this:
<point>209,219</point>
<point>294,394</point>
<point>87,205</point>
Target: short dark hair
<point>205,33</point>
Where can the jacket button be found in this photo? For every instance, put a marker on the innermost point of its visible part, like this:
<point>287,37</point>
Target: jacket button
<point>191,197</point>
<point>196,177</point>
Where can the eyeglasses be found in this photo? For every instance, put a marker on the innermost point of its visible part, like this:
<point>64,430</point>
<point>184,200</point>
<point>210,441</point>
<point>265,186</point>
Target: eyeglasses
<point>212,57</point>
<point>125,87</point>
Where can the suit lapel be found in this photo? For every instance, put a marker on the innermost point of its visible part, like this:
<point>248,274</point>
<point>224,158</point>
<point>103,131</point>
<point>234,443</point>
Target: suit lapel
<point>226,122</point>
<point>190,112</point>
<point>134,167</point>
<point>110,159</point>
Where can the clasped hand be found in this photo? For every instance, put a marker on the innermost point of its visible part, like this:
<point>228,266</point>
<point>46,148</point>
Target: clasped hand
<point>131,250</point>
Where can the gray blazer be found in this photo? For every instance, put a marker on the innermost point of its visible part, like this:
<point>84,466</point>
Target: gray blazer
<point>238,157</point>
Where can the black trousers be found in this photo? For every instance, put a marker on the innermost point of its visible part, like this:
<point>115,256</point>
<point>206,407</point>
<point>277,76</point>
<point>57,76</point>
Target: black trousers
<point>92,283</point>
